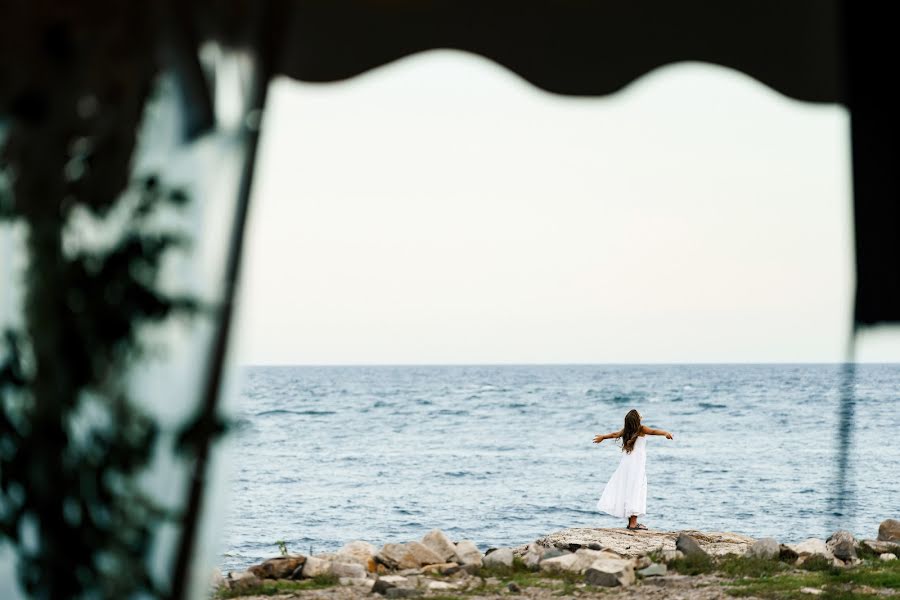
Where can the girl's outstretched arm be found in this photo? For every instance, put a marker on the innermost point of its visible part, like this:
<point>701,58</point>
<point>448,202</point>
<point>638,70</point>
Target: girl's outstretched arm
<point>607,436</point>
<point>651,431</point>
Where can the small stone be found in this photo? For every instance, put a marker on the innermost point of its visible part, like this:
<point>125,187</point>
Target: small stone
<point>381,586</point>
<point>887,556</point>
<point>470,569</point>
<point>679,555</point>
<point>654,570</point>
<point>440,585</point>
<point>363,582</point>
<point>642,562</point>
<point>394,579</point>
<point>500,557</point>
<point>889,530</point>
<point>513,587</point>
<point>594,546</point>
<point>689,546</point>
<point>764,548</point>
<point>553,553</point>
<point>468,553</point>
<point>438,542</point>
<point>842,545</point>
<point>315,566</point>
<point>811,590</point>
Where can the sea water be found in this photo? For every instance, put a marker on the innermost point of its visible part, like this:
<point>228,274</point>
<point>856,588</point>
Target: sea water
<point>503,454</point>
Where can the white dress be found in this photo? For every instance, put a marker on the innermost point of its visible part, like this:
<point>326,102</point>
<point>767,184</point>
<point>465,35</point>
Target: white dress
<point>626,492</point>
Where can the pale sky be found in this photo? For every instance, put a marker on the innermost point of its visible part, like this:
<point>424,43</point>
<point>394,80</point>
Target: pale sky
<point>442,210</point>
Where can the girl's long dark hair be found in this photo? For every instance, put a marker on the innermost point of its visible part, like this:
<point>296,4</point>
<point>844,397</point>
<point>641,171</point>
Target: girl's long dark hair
<point>631,430</point>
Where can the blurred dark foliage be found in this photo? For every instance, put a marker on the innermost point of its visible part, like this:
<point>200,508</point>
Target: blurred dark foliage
<point>72,443</point>
<point>74,82</point>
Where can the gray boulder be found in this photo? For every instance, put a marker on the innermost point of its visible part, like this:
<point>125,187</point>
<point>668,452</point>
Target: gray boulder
<point>359,552</point>
<point>315,566</point>
<point>811,547</point>
<point>468,553</point>
<point>438,542</point>
<point>842,545</point>
<point>500,557</point>
<point>689,546</point>
<point>564,562</point>
<point>277,568</point>
<point>889,530</point>
<point>764,548</point>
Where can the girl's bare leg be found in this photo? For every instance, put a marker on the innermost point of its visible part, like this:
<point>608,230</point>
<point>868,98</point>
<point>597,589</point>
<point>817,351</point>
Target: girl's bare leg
<point>632,521</point>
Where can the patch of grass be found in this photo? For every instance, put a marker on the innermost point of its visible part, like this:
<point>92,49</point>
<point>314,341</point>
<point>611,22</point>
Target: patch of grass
<point>749,566</point>
<point>819,563</point>
<point>695,564</point>
<point>837,583</point>
<point>270,587</point>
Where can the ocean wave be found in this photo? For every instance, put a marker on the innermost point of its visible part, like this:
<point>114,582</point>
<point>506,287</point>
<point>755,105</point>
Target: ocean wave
<point>284,411</point>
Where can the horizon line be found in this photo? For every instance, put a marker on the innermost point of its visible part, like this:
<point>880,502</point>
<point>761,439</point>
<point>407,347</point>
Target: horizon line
<point>570,364</point>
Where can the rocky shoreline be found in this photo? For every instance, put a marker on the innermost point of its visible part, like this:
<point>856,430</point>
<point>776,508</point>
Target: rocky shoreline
<point>577,562</point>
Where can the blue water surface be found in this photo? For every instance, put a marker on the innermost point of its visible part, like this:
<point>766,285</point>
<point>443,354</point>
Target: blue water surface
<point>503,454</point>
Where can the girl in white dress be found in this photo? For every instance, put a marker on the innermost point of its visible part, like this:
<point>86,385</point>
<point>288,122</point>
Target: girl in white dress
<point>625,495</point>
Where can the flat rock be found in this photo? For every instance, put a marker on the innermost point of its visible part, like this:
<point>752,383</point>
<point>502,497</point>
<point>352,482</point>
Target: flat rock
<point>468,553</point>
<point>654,570</point>
<point>637,543</point>
<point>446,568</point>
<point>764,548</point>
<point>499,557</point>
<point>441,585</point>
<point>438,542</point>
<point>881,547</point>
<point>348,569</point>
<point>889,530</point>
